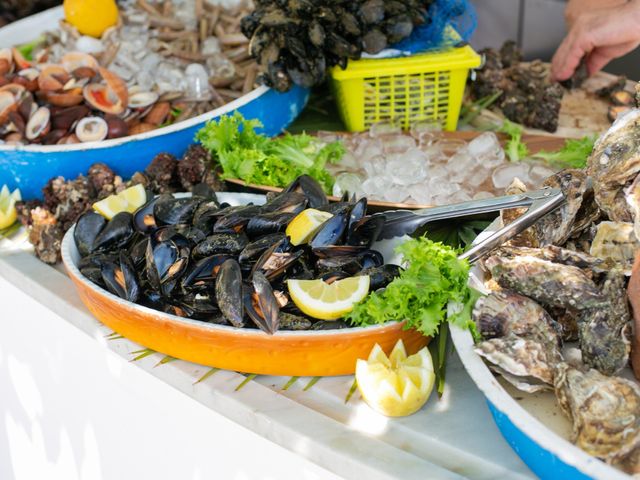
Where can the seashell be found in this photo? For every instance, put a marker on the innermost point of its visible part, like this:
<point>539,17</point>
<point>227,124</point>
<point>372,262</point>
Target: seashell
<point>20,61</point>
<point>6,54</point>
<point>28,78</point>
<point>117,127</point>
<point>29,73</point>
<point>5,66</point>
<point>26,105</point>
<point>53,137</point>
<point>39,124</point>
<point>7,105</point>
<point>84,72</point>
<point>102,98</point>
<point>66,99</point>
<point>74,60</point>
<point>16,120</point>
<point>158,114</point>
<point>53,78</point>
<point>68,140</point>
<point>92,129</point>
<point>115,84</point>
<point>142,99</point>
<point>15,138</point>
<point>14,88</point>
<point>141,128</point>
<point>64,119</point>
<point>4,81</point>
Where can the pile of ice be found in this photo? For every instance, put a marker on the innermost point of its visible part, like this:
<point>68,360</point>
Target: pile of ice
<point>422,167</point>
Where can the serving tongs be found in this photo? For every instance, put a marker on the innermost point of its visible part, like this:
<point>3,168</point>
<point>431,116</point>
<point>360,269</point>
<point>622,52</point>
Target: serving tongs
<point>540,202</point>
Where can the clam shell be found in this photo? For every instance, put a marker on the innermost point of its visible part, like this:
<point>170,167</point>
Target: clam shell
<point>92,129</point>
<point>7,105</point>
<point>53,78</point>
<point>102,98</point>
<point>116,84</point>
<point>39,124</point>
<point>142,99</point>
<point>74,60</point>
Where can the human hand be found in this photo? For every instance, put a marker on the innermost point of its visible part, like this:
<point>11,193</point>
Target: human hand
<point>600,35</point>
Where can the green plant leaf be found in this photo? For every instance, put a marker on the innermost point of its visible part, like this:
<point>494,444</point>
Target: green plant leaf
<point>352,390</point>
<point>209,372</point>
<point>166,359</point>
<point>291,381</point>
<point>311,383</point>
<point>250,377</point>
<point>142,354</point>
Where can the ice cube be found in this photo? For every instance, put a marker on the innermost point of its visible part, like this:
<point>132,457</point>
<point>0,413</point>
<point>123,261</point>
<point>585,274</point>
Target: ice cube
<point>482,195</point>
<point>484,145</point>
<point>398,143</point>
<point>383,129</point>
<point>539,173</point>
<point>450,146</point>
<point>461,165</point>
<point>395,194</point>
<point>459,197</point>
<point>348,182</point>
<point>90,45</point>
<point>197,83</point>
<point>504,174</point>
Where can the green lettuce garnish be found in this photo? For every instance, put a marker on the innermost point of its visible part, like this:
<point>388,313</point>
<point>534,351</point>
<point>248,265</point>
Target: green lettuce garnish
<point>256,158</point>
<point>574,154</point>
<point>515,148</point>
<point>433,288</point>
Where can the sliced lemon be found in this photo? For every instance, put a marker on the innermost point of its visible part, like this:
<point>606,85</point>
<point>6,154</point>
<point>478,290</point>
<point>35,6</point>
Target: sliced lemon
<point>304,226</point>
<point>128,200</point>
<point>8,212</point>
<point>91,17</point>
<point>319,299</point>
<point>396,385</point>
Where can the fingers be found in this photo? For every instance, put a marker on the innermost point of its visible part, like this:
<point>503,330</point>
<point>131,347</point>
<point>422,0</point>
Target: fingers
<point>568,56</point>
<point>601,56</point>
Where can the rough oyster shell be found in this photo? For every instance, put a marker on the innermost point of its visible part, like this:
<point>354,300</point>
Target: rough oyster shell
<point>605,411</point>
<point>604,332</point>
<point>615,243</point>
<point>615,163</point>
<point>551,284</point>
<point>556,255</point>
<point>528,237</point>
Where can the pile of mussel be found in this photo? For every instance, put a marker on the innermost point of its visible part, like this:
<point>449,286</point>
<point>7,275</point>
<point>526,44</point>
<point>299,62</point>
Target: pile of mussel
<point>75,101</point>
<point>193,257</point>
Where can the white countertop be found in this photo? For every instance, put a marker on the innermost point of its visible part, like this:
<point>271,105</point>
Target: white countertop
<point>118,418</point>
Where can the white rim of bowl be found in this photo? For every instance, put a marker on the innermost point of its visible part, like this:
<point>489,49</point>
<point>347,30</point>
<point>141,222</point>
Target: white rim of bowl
<point>72,269</point>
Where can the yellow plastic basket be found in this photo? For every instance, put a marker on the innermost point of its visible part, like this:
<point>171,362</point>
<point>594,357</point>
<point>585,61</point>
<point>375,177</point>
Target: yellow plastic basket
<point>405,90</point>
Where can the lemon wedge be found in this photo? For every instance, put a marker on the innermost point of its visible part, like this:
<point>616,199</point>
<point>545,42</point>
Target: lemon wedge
<point>91,17</point>
<point>304,226</point>
<point>128,200</point>
<point>8,212</point>
<point>324,301</point>
<point>396,385</point>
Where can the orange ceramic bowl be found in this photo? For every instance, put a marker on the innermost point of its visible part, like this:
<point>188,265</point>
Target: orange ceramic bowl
<point>290,353</point>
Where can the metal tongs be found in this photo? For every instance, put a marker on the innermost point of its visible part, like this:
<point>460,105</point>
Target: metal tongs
<point>540,202</point>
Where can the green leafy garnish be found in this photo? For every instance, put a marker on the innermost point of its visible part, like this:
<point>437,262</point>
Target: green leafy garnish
<point>256,158</point>
<point>470,111</point>
<point>26,50</point>
<point>574,154</point>
<point>432,289</point>
<point>515,149</point>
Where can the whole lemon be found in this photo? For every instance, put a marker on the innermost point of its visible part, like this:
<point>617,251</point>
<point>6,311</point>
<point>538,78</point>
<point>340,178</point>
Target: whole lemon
<point>91,17</point>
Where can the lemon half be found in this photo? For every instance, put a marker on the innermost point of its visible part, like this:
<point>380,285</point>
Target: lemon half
<point>324,301</point>
<point>8,212</point>
<point>128,200</point>
<point>396,385</point>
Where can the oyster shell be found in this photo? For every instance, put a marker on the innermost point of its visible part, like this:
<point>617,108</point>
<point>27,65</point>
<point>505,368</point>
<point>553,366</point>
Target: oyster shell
<point>555,254</point>
<point>632,196</point>
<point>605,411</point>
<point>556,227</point>
<point>551,284</point>
<point>614,164</point>
<point>527,362</point>
<point>604,332</point>
<point>615,243</point>
<point>528,237</point>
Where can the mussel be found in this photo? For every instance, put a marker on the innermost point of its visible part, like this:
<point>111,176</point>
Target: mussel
<point>261,304</point>
<point>120,278</point>
<point>229,292</point>
<point>115,234</point>
<point>87,228</point>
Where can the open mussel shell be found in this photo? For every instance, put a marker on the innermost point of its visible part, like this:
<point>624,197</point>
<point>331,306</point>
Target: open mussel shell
<point>203,273</point>
<point>235,219</point>
<point>261,304</point>
<point>171,211</point>
<point>311,189</point>
<point>253,250</point>
<point>229,292</point>
<point>351,264</point>
<point>166,261</point>
<point>277,259</point>
<point>120,278</point>
<point>332,231</point>
<point>88,227</point>
<point>143,218</point>
<point>285,202</point>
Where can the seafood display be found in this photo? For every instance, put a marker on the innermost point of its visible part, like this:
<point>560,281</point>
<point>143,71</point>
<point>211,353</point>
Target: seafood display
<point>568,283</point>
<point>295,42</point>
<point>421,167</point>
<point>66,200</point>
<point>162,64</point>
<point>232,265</point>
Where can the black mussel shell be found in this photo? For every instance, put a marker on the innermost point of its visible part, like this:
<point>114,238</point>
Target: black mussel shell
<point>290,321</point>
<point>203,273</point>
<point>351,264</point>
<point>138,252</point>
<point>261,304</point>
<point>329,325</point>
<point>358,211</point>
<point>338,251</point>
<point>120,278</point>
<point>87,228</point>
<point>286,202</point>
<point>143,218</point>
<point>229,293</point>
<point>380,277</point>
<point>205,192</point>
<point>221,243</point>
<point>206,215</point>
<point>267,223</point>
<point>165,264</point>
<point>332,231</point>
<point>203,304</point>
<point>276,260</point>
<point>311,189</point>
<point>365,231</point>
<point>171,211</point>
<point>236,220</point>
<point>116,234</point>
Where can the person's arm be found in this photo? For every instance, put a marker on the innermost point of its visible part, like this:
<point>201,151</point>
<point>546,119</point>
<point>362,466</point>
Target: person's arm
<point>600,35</point>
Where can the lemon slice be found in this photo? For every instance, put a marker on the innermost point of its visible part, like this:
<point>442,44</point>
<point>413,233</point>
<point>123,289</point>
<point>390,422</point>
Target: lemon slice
<point>396,385</point>
<point>128,200</point>
<point>328,301</point>
<point>91,17</point>
<point>304,226</point>
<point>8,212</point>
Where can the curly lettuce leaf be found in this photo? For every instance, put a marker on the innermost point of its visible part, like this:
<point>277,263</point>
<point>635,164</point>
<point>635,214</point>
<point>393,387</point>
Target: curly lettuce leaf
<point>515,148</point>
<point>433,288</point>
<point>573,154</point>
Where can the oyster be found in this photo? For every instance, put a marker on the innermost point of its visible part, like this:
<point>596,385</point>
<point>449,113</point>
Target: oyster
<point>555,254</point>
<point>528,237</point>
<point>557,227</point>
<point>527,363</point>
<point>605,411</point>
<point>604,332</point>
<point>551,284</point>
<point>632,196</point>
<point>614,164</point>
<point>615,243</point>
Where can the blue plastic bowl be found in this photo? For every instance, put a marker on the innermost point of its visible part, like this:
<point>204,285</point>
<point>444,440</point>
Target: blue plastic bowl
<point>29,167</point>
